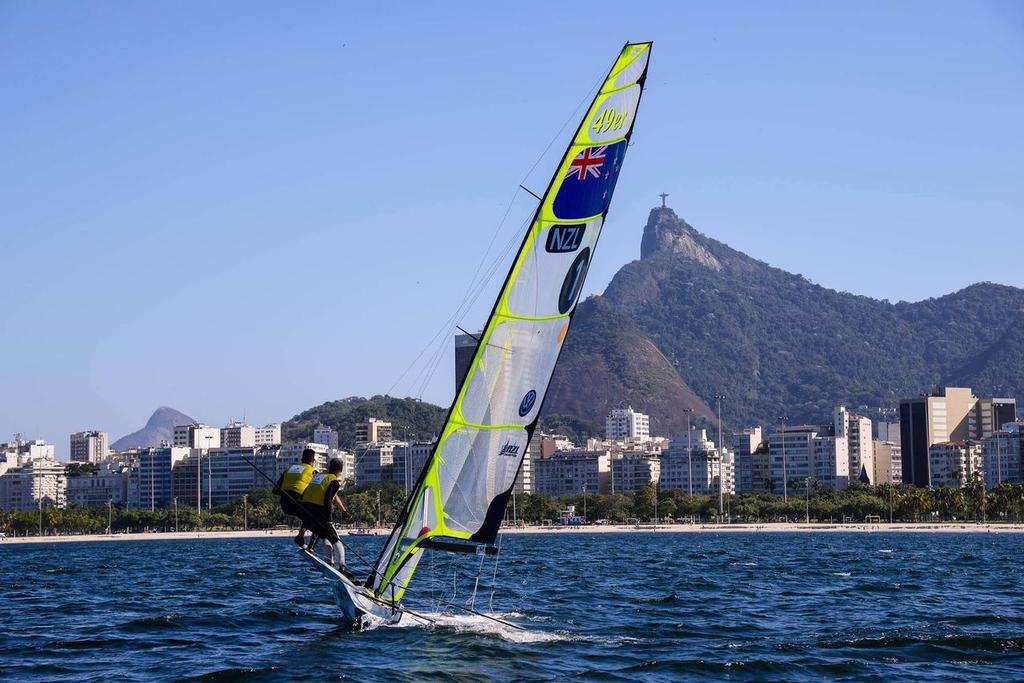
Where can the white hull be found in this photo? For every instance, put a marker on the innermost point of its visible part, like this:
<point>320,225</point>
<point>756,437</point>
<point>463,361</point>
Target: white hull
<point>357,604</point>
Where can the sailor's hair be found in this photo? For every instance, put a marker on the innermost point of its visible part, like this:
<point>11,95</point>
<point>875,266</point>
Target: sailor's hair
<point>336,465</point>
<point>308,455</point>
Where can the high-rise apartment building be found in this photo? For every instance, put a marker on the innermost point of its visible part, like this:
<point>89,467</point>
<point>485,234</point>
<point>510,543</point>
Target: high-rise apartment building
<point>237,435</point>
<point>626,423</point>
<point>89,446</point>
<point>1002,454</point>
<point>799,457</point>
<point>196,435</point>
<point>465,348</point>
<point>744,445</point>
<point>888,464</point>
<point>268,435</point>
<point>373,430</point>
<point>950,414</point>
<point>856,429</point>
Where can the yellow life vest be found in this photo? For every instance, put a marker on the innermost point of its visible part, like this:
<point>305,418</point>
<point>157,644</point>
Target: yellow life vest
<point>317,489</point>
<point>297,478</point>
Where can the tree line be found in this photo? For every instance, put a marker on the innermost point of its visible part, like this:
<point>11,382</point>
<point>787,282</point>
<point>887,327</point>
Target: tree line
<point>373,504</point>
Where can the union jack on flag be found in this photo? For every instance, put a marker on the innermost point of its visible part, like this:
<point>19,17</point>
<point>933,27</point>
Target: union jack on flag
<point>587,185</point>
<point>587,162</point>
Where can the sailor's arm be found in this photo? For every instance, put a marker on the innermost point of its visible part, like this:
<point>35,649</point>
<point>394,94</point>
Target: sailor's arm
<point>339,504</point>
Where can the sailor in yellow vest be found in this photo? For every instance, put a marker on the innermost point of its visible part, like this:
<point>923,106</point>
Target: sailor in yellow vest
<point>318,501</point>
<point>291,485</point>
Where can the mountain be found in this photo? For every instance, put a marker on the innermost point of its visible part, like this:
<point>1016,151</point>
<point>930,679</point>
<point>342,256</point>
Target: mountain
<point>159,428</point>
<point>773,342</point>
<point>610,363</point>
<point>409,417</point>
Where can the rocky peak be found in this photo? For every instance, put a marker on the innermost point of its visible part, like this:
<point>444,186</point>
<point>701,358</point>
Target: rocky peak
<point>666,232</point>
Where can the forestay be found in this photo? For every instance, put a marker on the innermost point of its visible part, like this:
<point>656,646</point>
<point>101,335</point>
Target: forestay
<point>461,494</point>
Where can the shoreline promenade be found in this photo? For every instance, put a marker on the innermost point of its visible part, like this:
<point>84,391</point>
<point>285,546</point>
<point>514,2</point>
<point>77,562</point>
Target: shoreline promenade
<point>777,527</point>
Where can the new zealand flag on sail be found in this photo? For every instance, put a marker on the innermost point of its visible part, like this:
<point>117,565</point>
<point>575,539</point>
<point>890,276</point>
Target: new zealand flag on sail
<point>589,181</point>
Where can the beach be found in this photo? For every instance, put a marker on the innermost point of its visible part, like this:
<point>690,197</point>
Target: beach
<point>777,527</point>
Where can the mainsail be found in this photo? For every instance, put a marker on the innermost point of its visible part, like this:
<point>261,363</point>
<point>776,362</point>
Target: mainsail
<point>459,500</point>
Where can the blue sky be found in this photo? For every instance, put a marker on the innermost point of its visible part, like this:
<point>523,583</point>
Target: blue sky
<point>258,207</point>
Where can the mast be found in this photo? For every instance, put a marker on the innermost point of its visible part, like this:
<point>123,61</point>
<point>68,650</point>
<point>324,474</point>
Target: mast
<point>462,492</point>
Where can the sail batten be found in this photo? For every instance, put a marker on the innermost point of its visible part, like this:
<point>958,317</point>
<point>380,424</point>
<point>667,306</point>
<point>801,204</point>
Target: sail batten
<point>465,485</point>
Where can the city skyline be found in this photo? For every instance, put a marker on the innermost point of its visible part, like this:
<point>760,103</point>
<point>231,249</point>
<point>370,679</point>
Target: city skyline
<point>130,249</point>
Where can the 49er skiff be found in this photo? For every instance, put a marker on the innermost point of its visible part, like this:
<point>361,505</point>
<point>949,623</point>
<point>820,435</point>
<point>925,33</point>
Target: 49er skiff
<point>459,499</point>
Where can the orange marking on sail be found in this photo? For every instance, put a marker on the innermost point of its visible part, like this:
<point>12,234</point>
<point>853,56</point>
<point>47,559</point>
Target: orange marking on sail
<point>561,333</point>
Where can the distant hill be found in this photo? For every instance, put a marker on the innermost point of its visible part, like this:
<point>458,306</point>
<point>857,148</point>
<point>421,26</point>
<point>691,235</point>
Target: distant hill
<point>158,429</point>
<point>409,417</point>
<point>695,314</point>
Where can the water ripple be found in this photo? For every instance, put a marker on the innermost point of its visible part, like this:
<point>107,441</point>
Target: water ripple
<point>600,607</point>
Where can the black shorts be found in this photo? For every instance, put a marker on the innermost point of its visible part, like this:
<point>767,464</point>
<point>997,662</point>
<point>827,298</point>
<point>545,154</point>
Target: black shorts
<point>291,505</point>
<point>318,517</point>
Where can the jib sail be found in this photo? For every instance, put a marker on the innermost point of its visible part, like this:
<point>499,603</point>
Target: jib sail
<point>460,497</point>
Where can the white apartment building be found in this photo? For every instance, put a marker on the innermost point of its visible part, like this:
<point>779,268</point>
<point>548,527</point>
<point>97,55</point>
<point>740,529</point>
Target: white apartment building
<point>626,423</point>
<point>89,446</point>
<point>798,456</point>
<point>237,435</point>
<point>270,435</point>
<point>325,435</point>
<point>697,473</point>
<point>196,435</point>
<point>108,485</point>
<point>953,463</point>
<point>744,446</point>
<point>1001,455</point>
<point>856,430</point>
<point>32,483</point>
<point>570,472</point>
<point>20,451</point>
<point>631,471</point>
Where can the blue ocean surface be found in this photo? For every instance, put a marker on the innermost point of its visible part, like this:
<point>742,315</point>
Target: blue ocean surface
<point>600,606</point>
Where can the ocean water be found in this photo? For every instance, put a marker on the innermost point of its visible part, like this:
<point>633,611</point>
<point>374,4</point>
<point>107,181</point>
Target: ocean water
<point>603,607</point>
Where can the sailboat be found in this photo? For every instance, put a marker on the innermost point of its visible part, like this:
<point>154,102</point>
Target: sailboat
<point>458,502</point>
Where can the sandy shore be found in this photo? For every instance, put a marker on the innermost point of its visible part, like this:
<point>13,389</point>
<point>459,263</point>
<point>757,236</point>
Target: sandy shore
<point>558,530</point>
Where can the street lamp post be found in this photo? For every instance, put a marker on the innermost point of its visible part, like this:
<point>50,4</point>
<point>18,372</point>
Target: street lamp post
<point>689,451</point>
<point>209,476</point>
<point>584,503</point>
<point>245,511</point>
<point>175,514</point>
<point>785,473</point>
<point>721,460</point>
<point>152,488</point>
<point>110,517</point>
<point>39,497</point>
<point>807,490</point>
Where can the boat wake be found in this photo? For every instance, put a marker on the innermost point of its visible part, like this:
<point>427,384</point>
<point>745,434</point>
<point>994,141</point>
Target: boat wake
<point>469,623</point>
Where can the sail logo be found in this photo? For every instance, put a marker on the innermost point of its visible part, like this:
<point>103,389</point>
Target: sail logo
<point>526,405</point>
<point>609,119</point>
<point>573,282</point>
<point>588,182</point>
<point>509,450</point>
<point>563,239</point>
